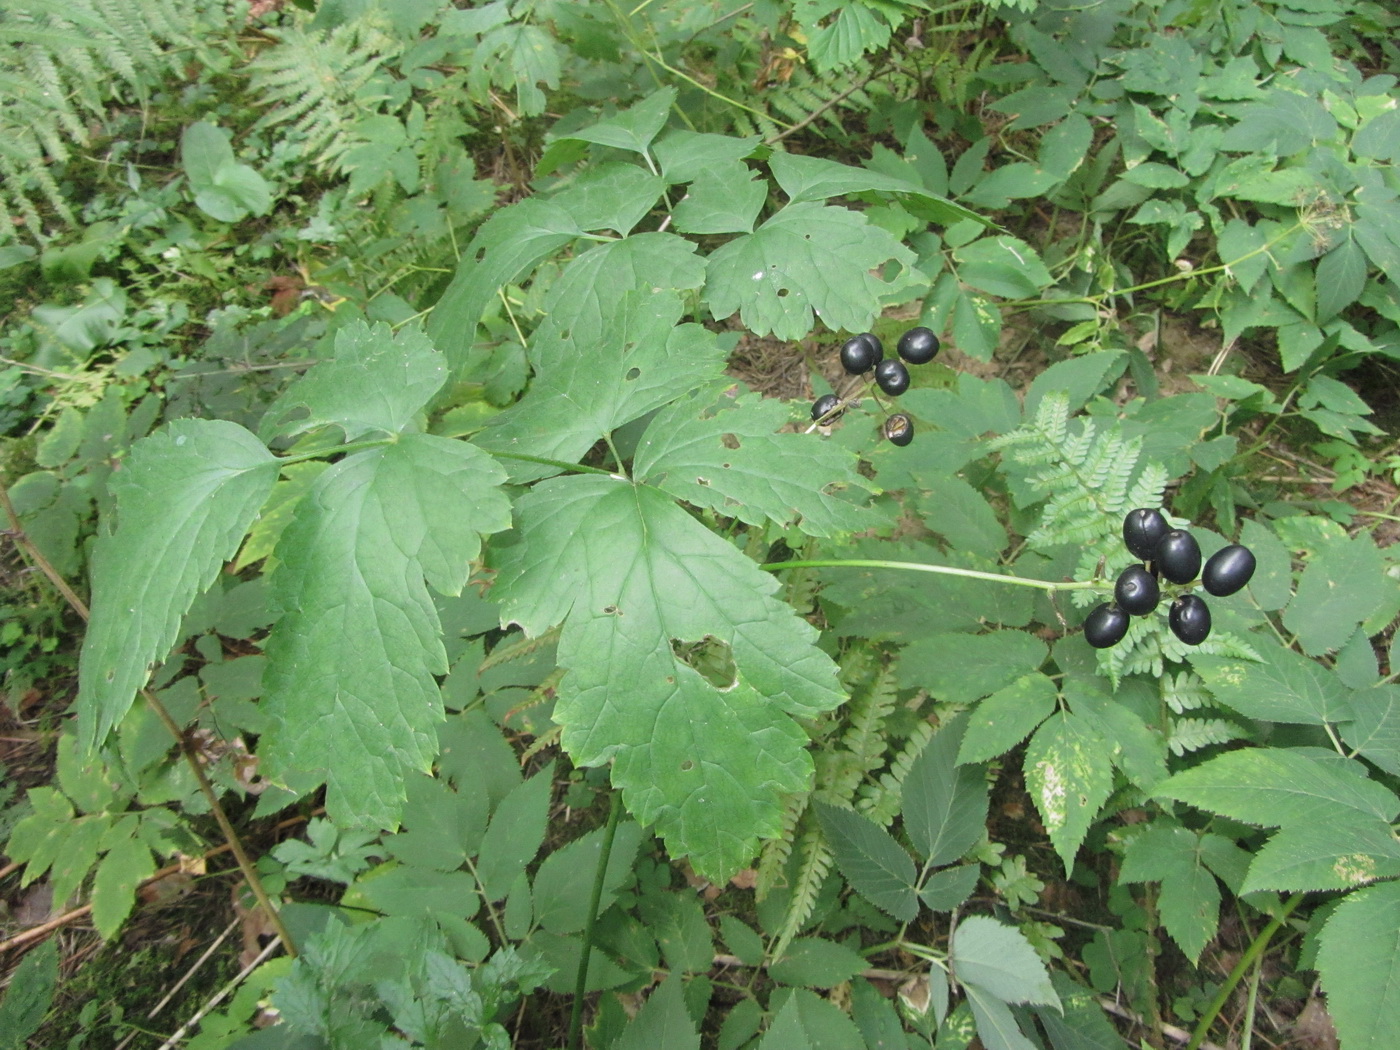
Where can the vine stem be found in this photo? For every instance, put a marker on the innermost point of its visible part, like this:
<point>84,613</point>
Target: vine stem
<point>595,899</point>
<point>1049,586</point>
<point>1246,960</point>
<point>235,844</point>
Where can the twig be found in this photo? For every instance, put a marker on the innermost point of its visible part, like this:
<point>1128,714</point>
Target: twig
<point>835,100</point>
<point>222,994</point>
<point>23,541</point>
<point>1171,1031</point>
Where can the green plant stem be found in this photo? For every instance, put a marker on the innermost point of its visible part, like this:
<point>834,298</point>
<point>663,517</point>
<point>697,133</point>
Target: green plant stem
<point>942,570</point>
<point>337,450</point>
<point>1246,960</point>
<point>578,468</point>
<point>235,844</point>
<point>595,899</point>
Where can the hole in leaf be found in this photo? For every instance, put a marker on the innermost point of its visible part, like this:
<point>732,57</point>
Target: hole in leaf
<point>702,481</point>
<point>611,610</point>
<point>687,766</point>
<point>632,373</point>
<point>729,441</point>
<point>710,658</point>
<point>564,334</point>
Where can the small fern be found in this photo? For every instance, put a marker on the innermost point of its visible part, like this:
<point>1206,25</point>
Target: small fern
<point>882,798</point>
<point>1184,692</point>
<point>1192,734</point>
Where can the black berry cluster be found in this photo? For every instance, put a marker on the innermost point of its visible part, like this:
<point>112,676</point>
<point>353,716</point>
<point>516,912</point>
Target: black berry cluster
<point>865,353</point>
<point>1175,556</point>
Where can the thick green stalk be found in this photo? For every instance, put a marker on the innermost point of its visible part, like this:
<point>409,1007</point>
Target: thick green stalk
<point>942,570</point>
<point>595,899</point>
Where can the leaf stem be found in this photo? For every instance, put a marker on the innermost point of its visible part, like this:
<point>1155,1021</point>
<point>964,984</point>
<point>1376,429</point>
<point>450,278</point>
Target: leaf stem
<point>1246,960</point>
<point>595,899</point>
<point>322,453</point>
<point>943,570</point>
<point>561,464</point>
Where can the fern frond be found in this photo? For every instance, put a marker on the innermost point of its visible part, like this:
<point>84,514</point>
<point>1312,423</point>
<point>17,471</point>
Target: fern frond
<point>773,860</point>
<point>864,740</point>
<point>1192,734</point>
<point>814,864</point>
<point>881,799</point>
<point>517,649</point>
<point>1184,692</point>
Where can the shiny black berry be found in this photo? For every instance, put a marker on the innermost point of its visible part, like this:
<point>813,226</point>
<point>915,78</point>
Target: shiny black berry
<point>918,346</point>
<point>825,405</point>
<point>861,353</point>
<point>1178,555</point>
<point>1143,529</point>
<point>1228,570</point>
<point>1136,591</point>
<point>899,429</point>
<point>1105,626</point>
<point>1189,619</point>
<point>892,377</point>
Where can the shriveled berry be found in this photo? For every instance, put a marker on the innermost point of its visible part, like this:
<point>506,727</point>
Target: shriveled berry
<point>918,345</point>
<point>1143,529</point>
<point>1136,591</point>
<point>1105,626</point>
<point>825,406</point>
<point>861,353</point>
<point>1189,619</point>
<point>1228,570</point>
<point>899,429</point>
<point>1178,555</point>
<point>892,377</point>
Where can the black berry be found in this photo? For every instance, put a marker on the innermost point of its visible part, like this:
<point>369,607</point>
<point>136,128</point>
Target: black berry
<point>1105,626</point>
<point>1143,529</point>
<point>899,429</point>
<point>1228,570</point>
<point>1189,619</point>
<point>918,346</point>
<point>861,353</point>
<point>1178,555</point>
<point>1136,591</point>
<point>892,377</point>
<point>825,406</point>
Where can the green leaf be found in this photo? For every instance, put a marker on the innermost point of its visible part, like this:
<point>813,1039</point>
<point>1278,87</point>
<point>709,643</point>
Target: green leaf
<point>588,387</point>
<point>947,889</point>
<point>515,834</point>
<point>349,683</point>
<point>376,383</point>
<point>996,1025</point>
<point>727,455</point>
<point>685,155</point>
<point>443,827</point>
<point>1273,786</point>
<point>184,498</point>
<point>204,151</point>
<point>944,804</point>
<point>1241,248</point>
<point>628,573</point>
<point>562,893</point>
<point>1065,146</point>
<point>1083,1025</point>
<point>805,178</point>
<point>662,1021</point>
<point>1189,900</point>
<point>1343,584</point>
<point>635,127</point>
<point>124,867</point>
<point>962,516</point>
<point>962,668</point>
<point>855,30</point>
<point>1068,779</point>
<point>1345,849</point>
<point>1282,124</point>
<point>1359,960</point>
<point>999,960</point>
<point>806,1021</point>
<point>814,962</point>
<point>510,243</point>
<point>1375,734</point>
<point>29,996</point>
<point>721,200</point>
<point>1341,276</point>
<point>976,325</point>
<point>876,866</point>
<point>1002,266</point>
<point>1079,378</point>
<point>682,931</point>
<point>1285,687</point>
<point>1007,717</point>
<point>808,259</point>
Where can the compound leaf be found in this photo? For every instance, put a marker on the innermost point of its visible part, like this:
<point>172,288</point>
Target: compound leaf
<point>816,178</point>
<point>807,259</point>
<point>185,497</point>
<point>1359,960</point>
<point>349,683</point>
<point>727,455</point>
<point>1190,898</point>
<point>631,576</point>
